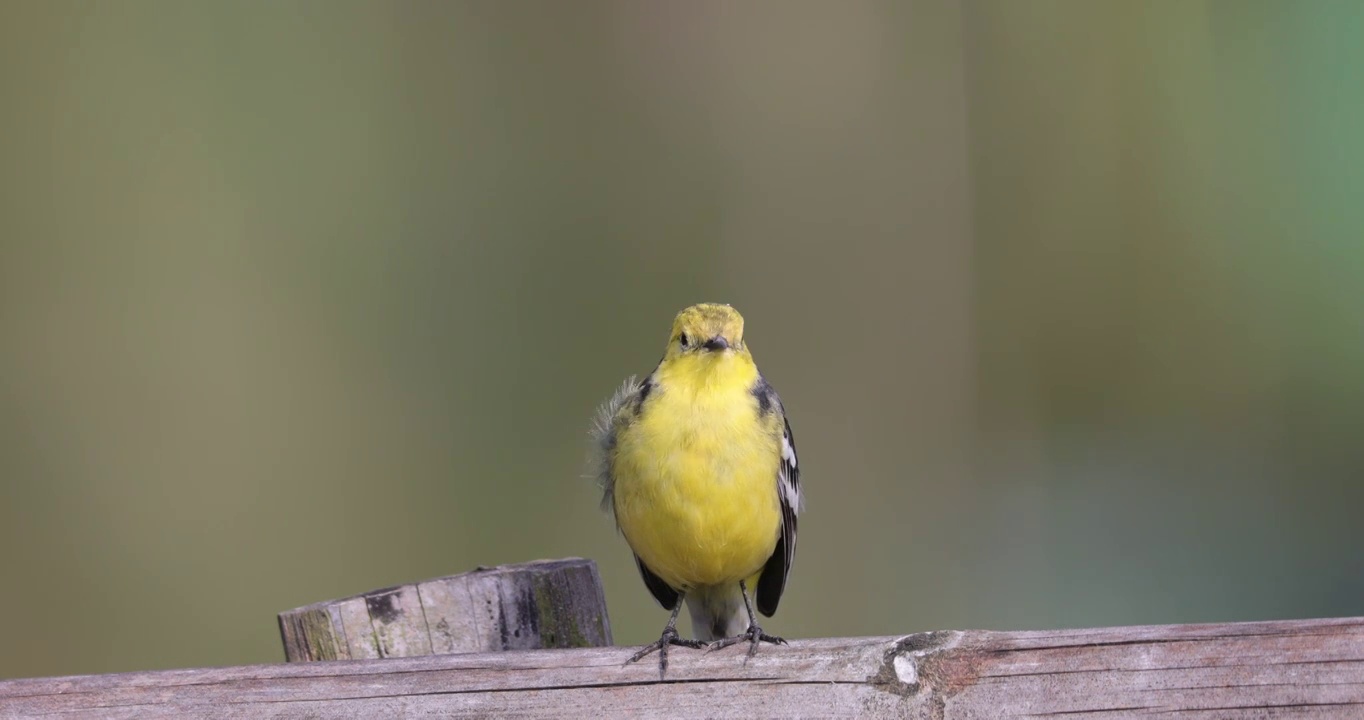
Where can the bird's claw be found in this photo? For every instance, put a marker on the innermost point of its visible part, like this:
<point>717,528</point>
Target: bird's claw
<point>669,637</point>
<point>753,635</point>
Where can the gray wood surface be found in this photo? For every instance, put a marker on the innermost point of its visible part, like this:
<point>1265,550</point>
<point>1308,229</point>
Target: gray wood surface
<point>541,604</point>
<point>1299,669</point>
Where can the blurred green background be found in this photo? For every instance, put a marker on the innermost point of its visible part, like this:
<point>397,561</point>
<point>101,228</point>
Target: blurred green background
<point>303,299</point>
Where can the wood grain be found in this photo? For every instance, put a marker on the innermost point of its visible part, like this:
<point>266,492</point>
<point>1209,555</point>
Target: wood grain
<point>541,604</point>
<point>1302,668</point>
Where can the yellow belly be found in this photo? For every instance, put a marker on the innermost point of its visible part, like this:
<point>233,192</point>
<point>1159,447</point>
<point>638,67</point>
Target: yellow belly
<point>696,489</point>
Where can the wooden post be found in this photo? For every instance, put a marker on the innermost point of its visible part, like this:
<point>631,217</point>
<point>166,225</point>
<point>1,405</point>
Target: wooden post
<point>541,604</point>
<point>1297,668</point>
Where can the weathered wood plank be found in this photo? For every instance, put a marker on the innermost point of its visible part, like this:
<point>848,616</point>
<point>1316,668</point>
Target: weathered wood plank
<point>1303,668</point>
<point>541,604</point>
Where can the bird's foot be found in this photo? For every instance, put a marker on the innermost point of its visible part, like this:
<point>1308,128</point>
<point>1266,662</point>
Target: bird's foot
<point>753,635</point>
<point>669,637</point>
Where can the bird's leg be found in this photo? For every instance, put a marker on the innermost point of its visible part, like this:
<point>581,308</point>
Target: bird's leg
<point>753,635</point>
<point>669,637</point>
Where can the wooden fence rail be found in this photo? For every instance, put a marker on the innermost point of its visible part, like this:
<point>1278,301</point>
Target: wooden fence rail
<point>1300,668</point>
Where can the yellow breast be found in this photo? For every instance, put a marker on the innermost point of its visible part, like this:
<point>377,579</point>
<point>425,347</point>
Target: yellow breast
<point>696,478</point>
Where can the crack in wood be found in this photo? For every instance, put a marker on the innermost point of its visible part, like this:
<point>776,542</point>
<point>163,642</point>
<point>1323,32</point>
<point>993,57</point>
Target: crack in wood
<point>1092,711</point>
<point>1163,668</point>
<point>480,691</point>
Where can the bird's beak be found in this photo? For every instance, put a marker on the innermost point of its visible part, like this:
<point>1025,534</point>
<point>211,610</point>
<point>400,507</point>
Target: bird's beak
<point>716,343</point>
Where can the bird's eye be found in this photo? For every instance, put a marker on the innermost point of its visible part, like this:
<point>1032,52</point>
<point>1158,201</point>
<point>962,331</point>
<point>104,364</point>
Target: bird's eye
<point>684,340</point>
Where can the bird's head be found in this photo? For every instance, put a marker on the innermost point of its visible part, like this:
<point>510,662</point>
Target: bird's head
<point>707,330</point>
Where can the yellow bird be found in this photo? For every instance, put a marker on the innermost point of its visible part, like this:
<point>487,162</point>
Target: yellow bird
<point>698,466</point>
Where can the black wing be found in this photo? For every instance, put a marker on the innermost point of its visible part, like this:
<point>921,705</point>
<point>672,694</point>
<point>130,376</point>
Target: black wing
<point>772,581</point>
<point>662,592</point>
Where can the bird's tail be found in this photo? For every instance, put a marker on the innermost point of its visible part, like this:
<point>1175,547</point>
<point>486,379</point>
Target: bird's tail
<point>717,612</point>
